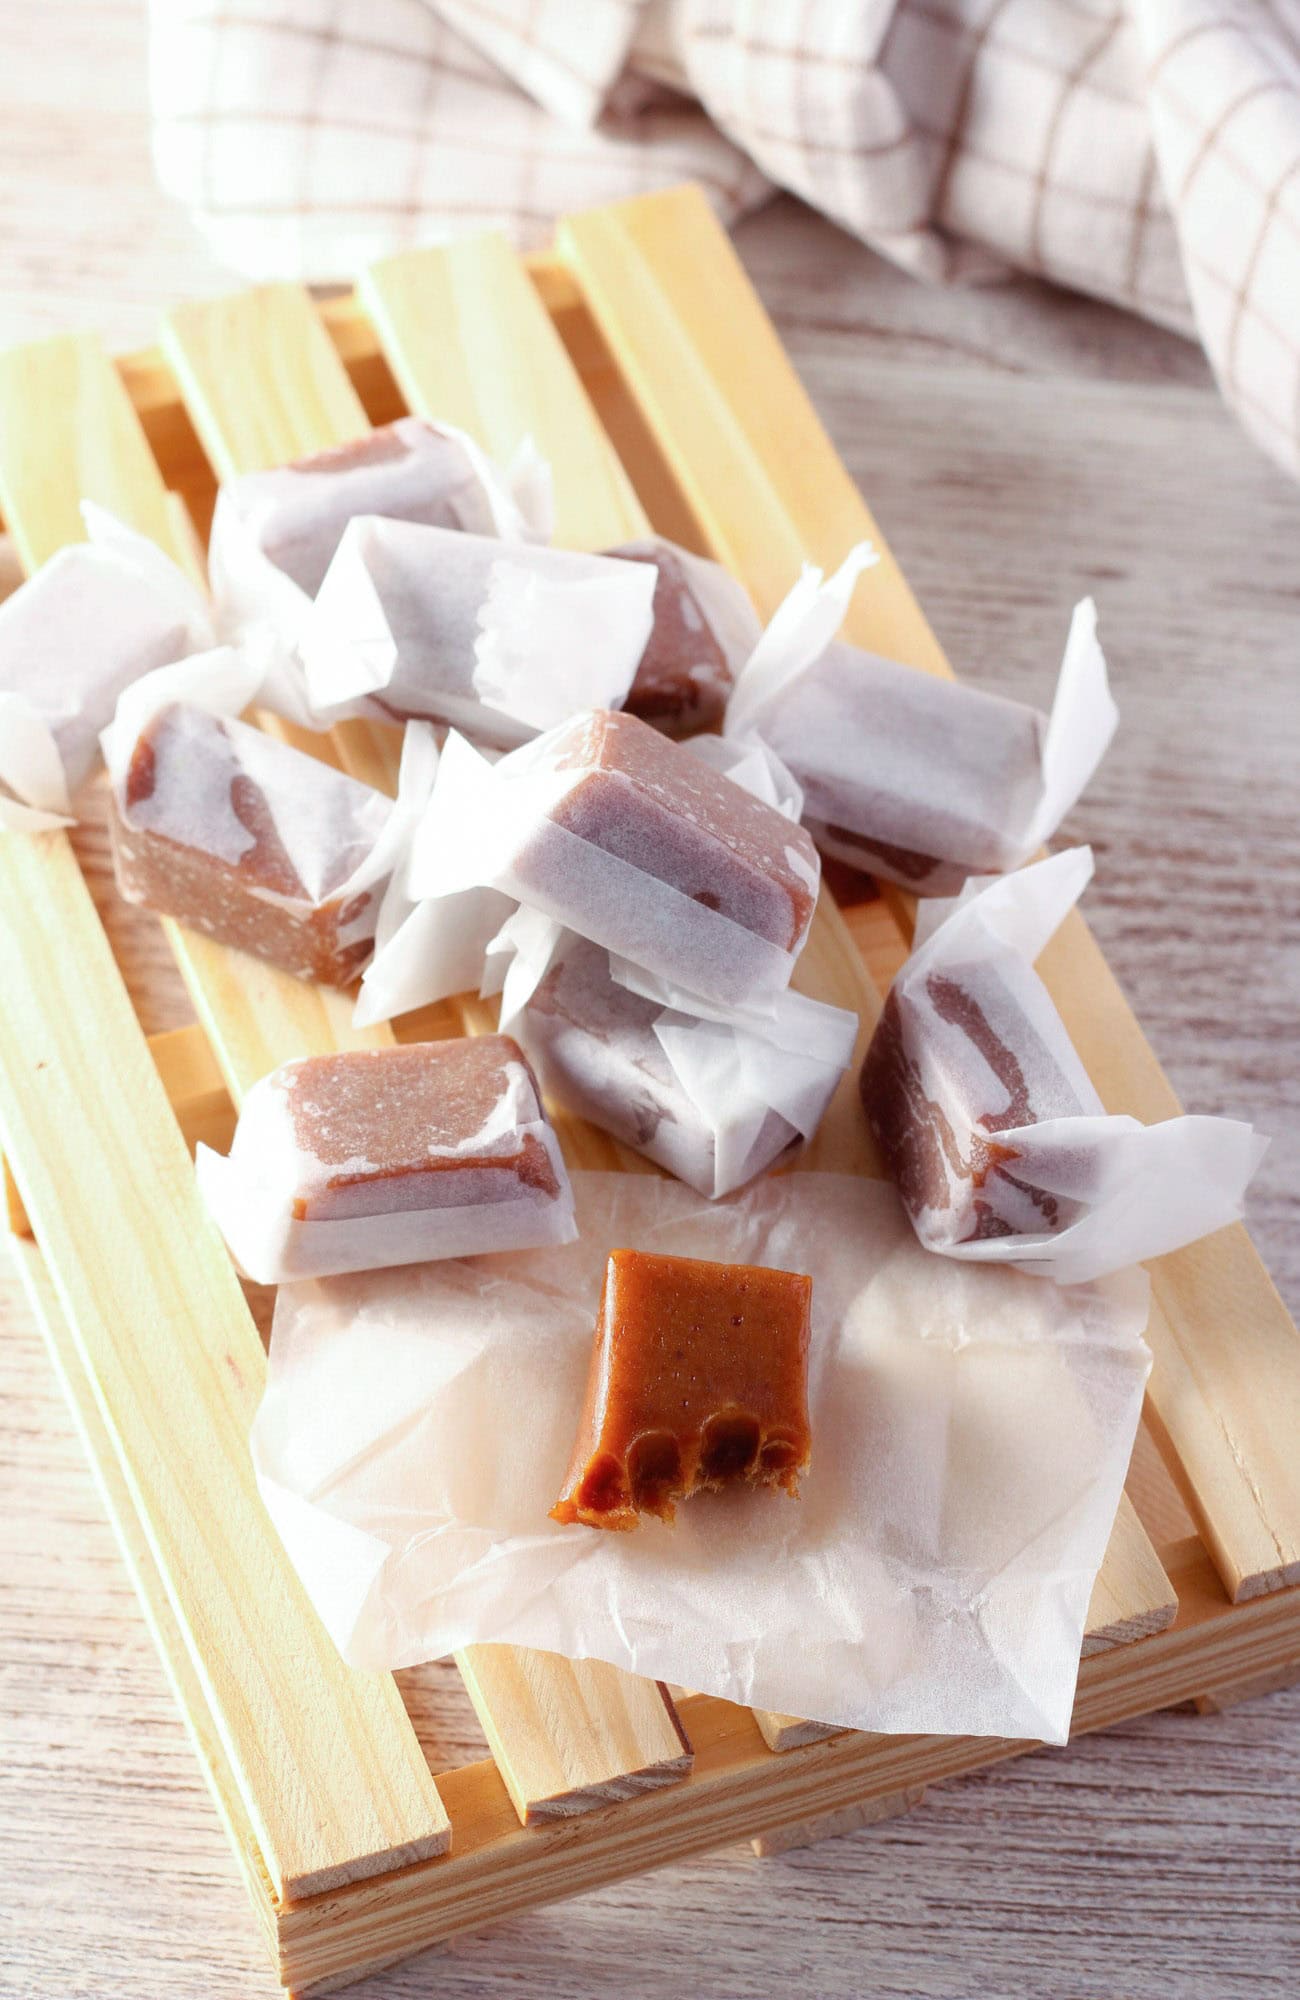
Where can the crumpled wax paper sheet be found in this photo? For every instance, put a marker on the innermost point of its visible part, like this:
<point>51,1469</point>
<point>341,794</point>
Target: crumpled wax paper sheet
<point>971,1432</point>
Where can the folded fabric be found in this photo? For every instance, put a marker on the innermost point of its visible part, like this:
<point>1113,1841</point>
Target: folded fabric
<point>1142,152</point>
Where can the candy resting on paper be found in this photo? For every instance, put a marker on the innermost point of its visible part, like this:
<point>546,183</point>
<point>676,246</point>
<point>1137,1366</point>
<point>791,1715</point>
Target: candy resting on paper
<point>991,1127</point>
<point>274,533</point>
<point>921,780</point>
<point>714,1101</point>
<point>501,639</point>
<point>699,1380</point>
<point>91,620</point>
<point>237,834</point>
<point>704,631</point>
<point>389,1156</point>
<point>633,842</point>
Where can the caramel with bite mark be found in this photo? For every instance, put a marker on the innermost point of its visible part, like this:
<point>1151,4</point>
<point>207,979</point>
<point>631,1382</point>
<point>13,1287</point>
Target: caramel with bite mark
<point>698,1381</point>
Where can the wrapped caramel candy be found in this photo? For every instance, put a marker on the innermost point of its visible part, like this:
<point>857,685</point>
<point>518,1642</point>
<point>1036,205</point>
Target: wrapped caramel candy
<point>999,1144</point>
<point>704,630</point>
<point>500,639</point>
<point>635,843</point>
<point>378,1157</point>
<point>94,618</point>
<point>714,1099</point>
<point>240,836</point>
<point>919,780</point>
<point>274,533</point>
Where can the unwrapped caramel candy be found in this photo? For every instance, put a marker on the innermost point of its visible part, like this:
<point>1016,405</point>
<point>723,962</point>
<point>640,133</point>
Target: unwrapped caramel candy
<point>699,1380</point>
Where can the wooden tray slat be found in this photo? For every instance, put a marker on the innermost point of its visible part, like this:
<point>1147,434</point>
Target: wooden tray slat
<point>470,343</point>
<point>325,1760</point>
<point>768,488</point>
<point>264,384</point>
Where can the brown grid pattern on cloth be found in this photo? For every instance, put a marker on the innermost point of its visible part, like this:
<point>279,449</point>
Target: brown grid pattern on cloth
<point>1147,151</point>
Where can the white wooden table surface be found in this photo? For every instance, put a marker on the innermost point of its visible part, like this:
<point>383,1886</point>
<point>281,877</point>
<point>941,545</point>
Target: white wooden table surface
<point>1019,448</point>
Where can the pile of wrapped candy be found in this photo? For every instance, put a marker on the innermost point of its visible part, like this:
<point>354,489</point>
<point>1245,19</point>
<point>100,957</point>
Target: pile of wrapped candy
<point>615,792</point>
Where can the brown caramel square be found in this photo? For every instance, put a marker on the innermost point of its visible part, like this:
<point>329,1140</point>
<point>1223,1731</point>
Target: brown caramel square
<point>699,1380</point>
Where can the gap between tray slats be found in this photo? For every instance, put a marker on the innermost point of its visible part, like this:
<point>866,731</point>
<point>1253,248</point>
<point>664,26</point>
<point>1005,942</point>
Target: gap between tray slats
<point>263,384</point>
<point>708,375</point>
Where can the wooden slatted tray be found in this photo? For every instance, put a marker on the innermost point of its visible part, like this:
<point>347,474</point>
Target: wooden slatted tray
<point>639,359</point>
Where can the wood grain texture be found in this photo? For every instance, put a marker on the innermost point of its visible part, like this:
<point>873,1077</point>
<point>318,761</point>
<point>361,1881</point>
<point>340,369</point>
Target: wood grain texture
<point>329,1771</point>
<point>1012,439</point>
<point>62,404</point>
<point>833,1826</point>
<point>748,451</point>
<point>469,341</point>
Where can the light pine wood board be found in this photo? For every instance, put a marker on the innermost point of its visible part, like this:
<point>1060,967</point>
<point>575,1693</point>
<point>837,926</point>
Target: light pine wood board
<point>264,385</point>
<point>1011,437</point>
<point>325,1761</point>
<point>769,491</point>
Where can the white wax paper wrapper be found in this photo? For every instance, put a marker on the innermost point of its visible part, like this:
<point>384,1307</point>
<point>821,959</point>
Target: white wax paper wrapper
<point>252,1192</point>
<point>274,533</point>
<point>971,1431</point>
<point>317,812</point>
<point>705,629</point>
<point>999,1142</point>
<point>90,620</point>
<point>917,779</point>
<point>425,951</point>
<point>491,826</point>
<point>499,639</point>
<point>714,1099</point>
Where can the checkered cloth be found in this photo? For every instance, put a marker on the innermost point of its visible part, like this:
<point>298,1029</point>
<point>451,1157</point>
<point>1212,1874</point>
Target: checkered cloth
<point>1146,151</point>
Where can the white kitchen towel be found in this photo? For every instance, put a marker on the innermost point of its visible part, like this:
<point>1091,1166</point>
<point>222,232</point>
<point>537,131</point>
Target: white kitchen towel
<point>1145,151</point>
